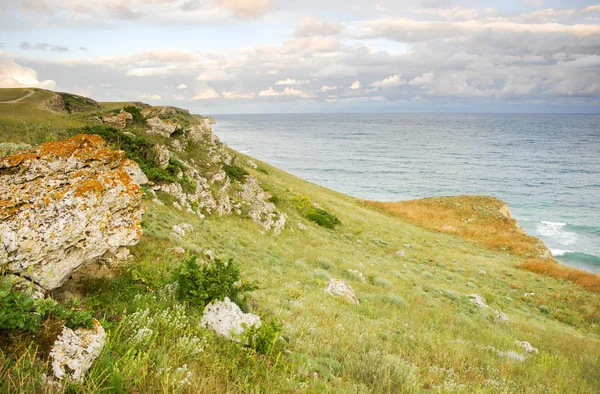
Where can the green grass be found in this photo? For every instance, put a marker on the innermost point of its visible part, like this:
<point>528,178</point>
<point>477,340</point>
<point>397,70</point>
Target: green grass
<point>10,94</point>
<point>412,332</point>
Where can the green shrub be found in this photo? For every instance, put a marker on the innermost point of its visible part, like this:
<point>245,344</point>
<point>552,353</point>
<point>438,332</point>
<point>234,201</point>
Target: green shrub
<point>136,113</point>
<point>18,311</point>
<point>274,199</point>
<point>323,218</point>
<point>317,215</point>
<point>235,173</point>
<point>265,339</point>
<point>203,283</point>
<point>544,309</point>
<point>263,170</point>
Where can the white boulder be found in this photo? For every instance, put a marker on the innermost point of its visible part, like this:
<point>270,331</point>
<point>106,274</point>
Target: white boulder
<point>338,288</point>
<point>227,319</point>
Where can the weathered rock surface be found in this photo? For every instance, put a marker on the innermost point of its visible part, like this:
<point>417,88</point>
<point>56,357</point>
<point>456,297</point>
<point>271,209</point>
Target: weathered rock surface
<point>338,288</point>
<point>74,351</point>
<point>64,204</point>
<point>261,210</point>
<point>478,300</point>
<point>160,127</point>
<point>500,317</point>
<point>119,121</point>
<point>162,155</point>
<point>227,319</point>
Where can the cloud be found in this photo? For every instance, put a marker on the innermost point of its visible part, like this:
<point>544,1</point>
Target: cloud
<point>286,92</point>
<point>424,79</point>
<point>152,97</point>
<point>314,27</point>
<point>273,72</point>
<point>232,95</point>
<point>178,97</point>
<point>83,48</point>
<point>355,85</point>
<point>119,10</point>
<point>312,44</point>
<point>215,74</point>
<point>42,46</point>
<point>408,30</point>
<point>391,81</point>
<point>206,94</point>
<point>247,9</point>
<point>380,7</point>
<point>292,82</point>
<point>591,9</point>
<point>182,86</point>
<point>151,71</point>
<point>326,88</point>
<point>13,75</point>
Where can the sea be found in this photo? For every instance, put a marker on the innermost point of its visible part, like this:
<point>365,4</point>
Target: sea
<point>545,166</point>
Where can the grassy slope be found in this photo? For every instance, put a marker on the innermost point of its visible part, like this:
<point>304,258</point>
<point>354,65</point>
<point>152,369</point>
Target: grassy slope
<point>415,329</point>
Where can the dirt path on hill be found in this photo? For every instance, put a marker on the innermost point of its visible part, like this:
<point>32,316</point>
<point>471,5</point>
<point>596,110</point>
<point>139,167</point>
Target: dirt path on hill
<point>19,99</point>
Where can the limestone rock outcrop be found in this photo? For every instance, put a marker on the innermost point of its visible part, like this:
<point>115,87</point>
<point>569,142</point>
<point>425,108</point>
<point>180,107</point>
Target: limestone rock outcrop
<point>74,351</point>
<point>160,127</point>
<point>119,121</point>
<point>65,204</point>
<point>261,210</point>
<point>227,319</point>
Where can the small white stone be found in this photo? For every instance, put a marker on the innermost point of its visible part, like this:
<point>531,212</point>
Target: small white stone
<point>478,300</point>
<point>526,347</point>
<point>401,253</point>
<point>500,317</point>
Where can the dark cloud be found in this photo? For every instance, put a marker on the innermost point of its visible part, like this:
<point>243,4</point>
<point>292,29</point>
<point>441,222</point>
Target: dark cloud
<point>83,48</point>
<point>42,46</point>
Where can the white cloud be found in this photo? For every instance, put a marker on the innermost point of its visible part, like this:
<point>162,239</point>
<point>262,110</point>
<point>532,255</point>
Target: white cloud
<point>13,75</point>
<point>215,74</point>
<point>423,79</point>
<point>286,92</point>
<point>248,9</point>
<point>178,97</point>
<point>314,27</point>
<point>312,44</point>
<point>590,9</point>
<point>355,85</point>
<point>206,94</point>
<point>391,81</point>
<point>292,82</point>
<point>149,97</point>
<point>326,88</point>
<point>380,7</point>
<point>182,86</point>
<point>150,71</point>
<point>232,95</point>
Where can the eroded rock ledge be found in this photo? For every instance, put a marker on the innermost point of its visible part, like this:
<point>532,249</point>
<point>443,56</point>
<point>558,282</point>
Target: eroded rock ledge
<point>65,204</point>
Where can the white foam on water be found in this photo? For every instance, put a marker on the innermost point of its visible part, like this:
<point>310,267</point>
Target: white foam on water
<point>560,252</point>
<point>556,232</point>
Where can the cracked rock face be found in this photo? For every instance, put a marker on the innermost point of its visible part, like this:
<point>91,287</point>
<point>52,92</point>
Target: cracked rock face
<point>74,351</point>
<point>227,319</point>
<point>160,127</point>
<point>65,204</point>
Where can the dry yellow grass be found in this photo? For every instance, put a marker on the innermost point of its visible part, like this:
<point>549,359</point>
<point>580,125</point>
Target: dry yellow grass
<point>550,267</point>
<point>486,221</point>
<point>477,218</point>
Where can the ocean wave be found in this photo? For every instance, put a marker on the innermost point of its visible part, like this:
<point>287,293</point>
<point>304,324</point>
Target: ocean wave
<point>557,232</point>
<point>578,257</point>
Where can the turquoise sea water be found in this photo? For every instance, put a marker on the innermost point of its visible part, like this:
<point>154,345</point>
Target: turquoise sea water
<point>547,167</point>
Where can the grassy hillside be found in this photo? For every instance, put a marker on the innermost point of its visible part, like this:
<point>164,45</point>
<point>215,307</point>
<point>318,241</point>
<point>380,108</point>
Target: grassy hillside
<point>415,329</point>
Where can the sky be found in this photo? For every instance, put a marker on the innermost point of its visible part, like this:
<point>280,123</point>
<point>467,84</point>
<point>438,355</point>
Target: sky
<point>278,56</point>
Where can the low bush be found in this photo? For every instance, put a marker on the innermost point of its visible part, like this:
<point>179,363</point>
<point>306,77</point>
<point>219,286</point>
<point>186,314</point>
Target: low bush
<point>203,283</point>
<point>265,339</point>
<point>317,215</point>
<point>136,113</point>
<point>235,173</point>
<point>18,311</point>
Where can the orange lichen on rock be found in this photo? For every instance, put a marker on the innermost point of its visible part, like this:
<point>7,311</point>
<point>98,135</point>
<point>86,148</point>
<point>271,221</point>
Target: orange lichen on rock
<point>66,203</point>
